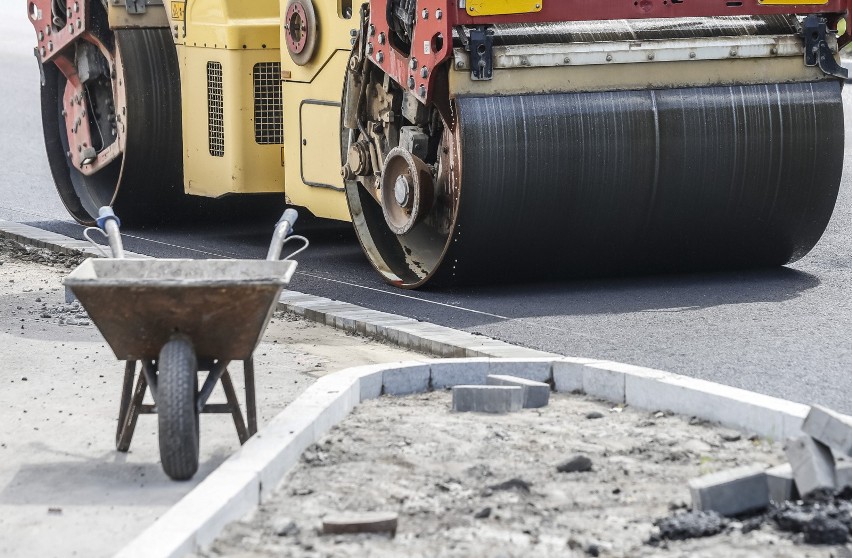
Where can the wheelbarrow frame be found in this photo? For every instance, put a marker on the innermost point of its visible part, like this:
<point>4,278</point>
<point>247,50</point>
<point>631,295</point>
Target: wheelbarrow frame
<point>169,320</point>
<point>142,373</point>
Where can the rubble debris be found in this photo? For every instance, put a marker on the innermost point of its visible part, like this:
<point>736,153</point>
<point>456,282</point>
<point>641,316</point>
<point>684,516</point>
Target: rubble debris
<point>575,464</point>
<point>21,252</point>
<point>484,513</point>
<point>825,530</point>
<point>512,484</point>
<point>71,314</point>
<point>821,522</point>
<point>688,525</point>
<point>730,436</point>
<point>286,528</point>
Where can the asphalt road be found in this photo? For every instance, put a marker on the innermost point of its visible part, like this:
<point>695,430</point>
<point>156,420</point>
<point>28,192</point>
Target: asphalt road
<point>783,332</point>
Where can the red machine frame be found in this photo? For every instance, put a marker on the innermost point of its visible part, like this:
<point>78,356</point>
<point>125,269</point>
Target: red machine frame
<point>53,43</point>
<point>432,41</point>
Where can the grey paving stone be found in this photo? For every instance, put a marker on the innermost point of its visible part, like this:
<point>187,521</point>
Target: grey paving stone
<point>830,427</point>
<point>781,485</point>
<point>812,462</point>
<point>536,394</point>
<point>731,492</point>
<point>487,399</point>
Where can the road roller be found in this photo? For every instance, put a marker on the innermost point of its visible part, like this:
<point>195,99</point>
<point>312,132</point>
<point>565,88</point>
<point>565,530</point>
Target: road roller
<point>468,141</point>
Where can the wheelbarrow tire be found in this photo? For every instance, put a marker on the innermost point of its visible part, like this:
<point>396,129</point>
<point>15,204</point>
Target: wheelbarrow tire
<point>177,390</point>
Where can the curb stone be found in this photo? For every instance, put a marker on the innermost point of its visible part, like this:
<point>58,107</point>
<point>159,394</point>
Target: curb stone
<point>252,475</point>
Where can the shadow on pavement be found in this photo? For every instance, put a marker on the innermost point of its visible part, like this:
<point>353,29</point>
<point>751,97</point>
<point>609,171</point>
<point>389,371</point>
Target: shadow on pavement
<point>106,480</point>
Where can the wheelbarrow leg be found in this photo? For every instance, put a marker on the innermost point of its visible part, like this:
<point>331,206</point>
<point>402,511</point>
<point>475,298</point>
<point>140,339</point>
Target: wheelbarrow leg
<point>251,409</point>
<point>126,394</point>
<point>127,427</point>
<point>234,404</point>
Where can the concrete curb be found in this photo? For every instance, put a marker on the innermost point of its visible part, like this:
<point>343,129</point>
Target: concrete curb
<point>251,475</point>
<point>392,329</point>
<point>404,332</point>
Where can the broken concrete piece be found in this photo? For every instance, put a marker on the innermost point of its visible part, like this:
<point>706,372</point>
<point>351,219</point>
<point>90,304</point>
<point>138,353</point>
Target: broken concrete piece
<point>781,485</point>
<point>366,522</point>
<point>813,464</point>
<point>488,399</point>
<point>731,492</point>
<point>830,428</point>
<point>536,394</point>
<point>576,464</point>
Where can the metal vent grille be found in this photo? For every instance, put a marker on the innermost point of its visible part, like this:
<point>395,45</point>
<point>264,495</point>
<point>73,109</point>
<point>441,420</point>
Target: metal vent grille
<point>268,104</point>
<point>215,110</point>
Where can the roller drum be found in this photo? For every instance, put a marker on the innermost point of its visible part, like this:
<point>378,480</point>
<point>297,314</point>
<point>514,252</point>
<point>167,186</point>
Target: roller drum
<point>569,185</point>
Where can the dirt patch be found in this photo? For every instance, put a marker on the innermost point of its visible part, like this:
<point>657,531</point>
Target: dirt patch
<point>476,485</point>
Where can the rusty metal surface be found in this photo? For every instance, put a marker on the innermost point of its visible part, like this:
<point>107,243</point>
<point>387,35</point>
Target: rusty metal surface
<point>223,306</point>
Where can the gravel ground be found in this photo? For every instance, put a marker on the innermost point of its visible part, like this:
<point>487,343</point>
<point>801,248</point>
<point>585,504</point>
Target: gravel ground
<point>480,485</point>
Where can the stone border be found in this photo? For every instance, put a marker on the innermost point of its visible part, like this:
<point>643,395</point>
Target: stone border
<point>392,329</point>
<point>252,475</point>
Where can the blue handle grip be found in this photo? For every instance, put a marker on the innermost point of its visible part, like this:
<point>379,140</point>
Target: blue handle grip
<point>106,213</point>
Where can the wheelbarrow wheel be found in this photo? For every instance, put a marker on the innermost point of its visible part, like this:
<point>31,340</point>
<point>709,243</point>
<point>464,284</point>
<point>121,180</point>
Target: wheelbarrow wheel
<point>177,389</point>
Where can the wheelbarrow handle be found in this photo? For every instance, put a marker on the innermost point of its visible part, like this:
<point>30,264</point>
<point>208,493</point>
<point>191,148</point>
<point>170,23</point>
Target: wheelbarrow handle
<point>282,229</point>
<point>110,223</point>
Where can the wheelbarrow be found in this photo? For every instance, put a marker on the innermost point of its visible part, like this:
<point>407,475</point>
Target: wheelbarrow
<point>172,319</point>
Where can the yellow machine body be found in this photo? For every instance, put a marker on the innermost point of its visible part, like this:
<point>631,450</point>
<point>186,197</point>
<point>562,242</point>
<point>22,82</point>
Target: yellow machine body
<point>238,135</point>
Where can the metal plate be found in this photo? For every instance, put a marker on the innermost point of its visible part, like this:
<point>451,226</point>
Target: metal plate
<point>478,8</point>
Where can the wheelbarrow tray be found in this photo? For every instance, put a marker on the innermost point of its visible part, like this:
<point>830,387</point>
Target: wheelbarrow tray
<point>223,306</point>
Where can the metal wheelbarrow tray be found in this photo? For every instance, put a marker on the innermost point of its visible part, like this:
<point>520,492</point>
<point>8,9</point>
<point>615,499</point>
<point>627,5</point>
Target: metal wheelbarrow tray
<point>224,306</point>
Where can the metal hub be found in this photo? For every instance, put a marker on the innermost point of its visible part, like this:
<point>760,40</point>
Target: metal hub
<point>407,192</point>
<point>300,30</point>
<point>296,29</point>
<point>401,190</point>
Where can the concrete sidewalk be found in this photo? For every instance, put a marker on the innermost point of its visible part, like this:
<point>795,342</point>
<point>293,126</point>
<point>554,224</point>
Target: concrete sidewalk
<point>64,490</point>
